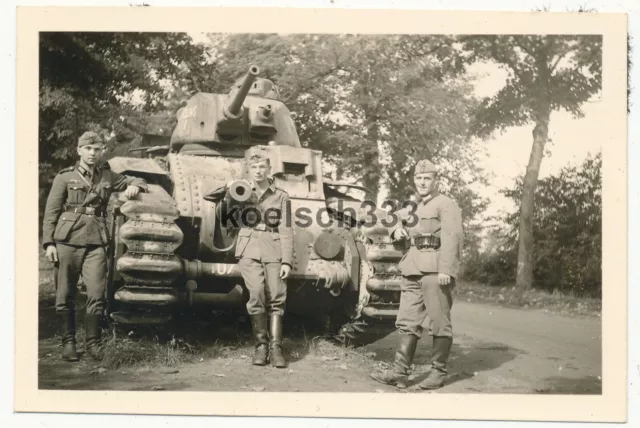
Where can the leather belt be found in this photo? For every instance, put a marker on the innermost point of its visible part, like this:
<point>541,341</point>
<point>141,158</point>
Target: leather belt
<point>96,211</point>
<point>427,240</point>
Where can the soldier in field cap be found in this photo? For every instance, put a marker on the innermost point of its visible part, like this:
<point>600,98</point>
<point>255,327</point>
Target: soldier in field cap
<point>429,268</point>
<point>265,252</point>
<point>75,238</point>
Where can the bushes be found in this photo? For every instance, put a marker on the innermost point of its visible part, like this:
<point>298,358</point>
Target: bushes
<point>567,234</point>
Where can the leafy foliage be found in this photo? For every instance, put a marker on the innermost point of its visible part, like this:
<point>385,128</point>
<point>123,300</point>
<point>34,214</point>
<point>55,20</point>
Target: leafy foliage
<point>567,232</point>
<point>108,82</point>
<point>546,73</point>
<point>111,83</point>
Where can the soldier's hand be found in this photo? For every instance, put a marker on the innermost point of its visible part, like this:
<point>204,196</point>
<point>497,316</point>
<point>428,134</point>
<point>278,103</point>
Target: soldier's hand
<point>400,234</point>
<point>52,253</point>
<point>443,279</point>
<point>132,191</point>
<point>284,271</point>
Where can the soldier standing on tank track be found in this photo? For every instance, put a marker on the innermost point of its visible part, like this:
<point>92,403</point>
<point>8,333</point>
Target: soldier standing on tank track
<point>75,238</point>
<point>265,250</point>
<point>429,268</point>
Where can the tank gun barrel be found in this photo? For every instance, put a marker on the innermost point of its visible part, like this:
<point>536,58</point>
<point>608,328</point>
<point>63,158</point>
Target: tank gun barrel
<point>239,191</point>
<point>235,104</point>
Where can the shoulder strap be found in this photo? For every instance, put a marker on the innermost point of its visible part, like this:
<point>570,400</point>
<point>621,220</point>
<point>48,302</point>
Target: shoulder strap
<point>67,169</point>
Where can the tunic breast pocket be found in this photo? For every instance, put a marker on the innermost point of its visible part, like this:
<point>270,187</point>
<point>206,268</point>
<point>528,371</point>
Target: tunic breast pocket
<point>75,193</point>
<point>429,223</point>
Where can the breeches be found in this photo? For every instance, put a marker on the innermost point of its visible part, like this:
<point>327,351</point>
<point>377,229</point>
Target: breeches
<point>267,291</point>
<point>92,263</point>
<point>422,297</point>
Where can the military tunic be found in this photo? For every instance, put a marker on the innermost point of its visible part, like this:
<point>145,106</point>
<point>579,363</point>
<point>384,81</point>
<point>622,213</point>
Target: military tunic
<point>422,296</point>
<point>75,222</point>
<point>265,242</point>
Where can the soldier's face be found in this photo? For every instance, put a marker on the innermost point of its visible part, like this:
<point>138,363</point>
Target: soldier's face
<point>425,183</point>
<point>91,153</point>
<point>259,171</point>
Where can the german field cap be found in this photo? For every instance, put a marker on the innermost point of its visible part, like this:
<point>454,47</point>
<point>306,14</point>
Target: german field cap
<point>425,166</point>
<point>89,138</point>
<point>257,154</point>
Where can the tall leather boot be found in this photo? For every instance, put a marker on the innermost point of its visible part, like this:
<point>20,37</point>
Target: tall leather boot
<point>67,320</point>
<point>277,357</point>
<point>398,375</point>
<point>93,333</point>
<point>261,335</point>
<point>440,356</point>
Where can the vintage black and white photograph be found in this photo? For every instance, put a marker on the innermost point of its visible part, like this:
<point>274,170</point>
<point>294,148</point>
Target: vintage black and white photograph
<point>319,212</point>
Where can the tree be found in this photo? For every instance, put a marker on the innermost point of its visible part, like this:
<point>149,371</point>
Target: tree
<point>546,74</point>
<point>113,83</point>
<point>567,227</point>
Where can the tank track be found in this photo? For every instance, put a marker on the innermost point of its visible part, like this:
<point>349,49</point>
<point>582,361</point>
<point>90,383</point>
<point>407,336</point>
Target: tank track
<point>379,293</point>
<point>151,237</point>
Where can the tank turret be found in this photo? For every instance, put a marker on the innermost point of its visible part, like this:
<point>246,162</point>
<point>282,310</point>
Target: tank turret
<point>227,124</point>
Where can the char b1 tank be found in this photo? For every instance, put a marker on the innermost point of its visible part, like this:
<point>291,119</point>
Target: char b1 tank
<point>171,252</point>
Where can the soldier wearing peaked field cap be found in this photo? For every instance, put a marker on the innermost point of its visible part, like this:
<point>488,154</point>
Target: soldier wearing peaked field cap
<point>265,252</point>
<point>425,166</point>
<point>75,236</point>
<point>430,268</point>
<point>89,138</point>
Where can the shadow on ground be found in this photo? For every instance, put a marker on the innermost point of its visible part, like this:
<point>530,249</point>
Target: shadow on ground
<point>465,361</point>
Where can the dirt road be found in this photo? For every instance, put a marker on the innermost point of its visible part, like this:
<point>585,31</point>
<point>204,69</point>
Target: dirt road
<point>496,350</point>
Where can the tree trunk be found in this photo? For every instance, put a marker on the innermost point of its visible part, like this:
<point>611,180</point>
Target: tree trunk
<point>371,161</point>
<point>371,176</point>
<point>524,274</point>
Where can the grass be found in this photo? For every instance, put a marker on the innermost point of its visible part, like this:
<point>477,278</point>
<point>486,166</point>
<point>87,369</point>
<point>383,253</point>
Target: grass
<point>156,347</point>
<point>556,302</point>
<point>148,351</point>
<point>229,335</point>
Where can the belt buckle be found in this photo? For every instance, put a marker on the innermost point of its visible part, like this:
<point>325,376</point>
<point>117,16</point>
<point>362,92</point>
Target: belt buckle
<point>423,240</point>
<point>261,227</point>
